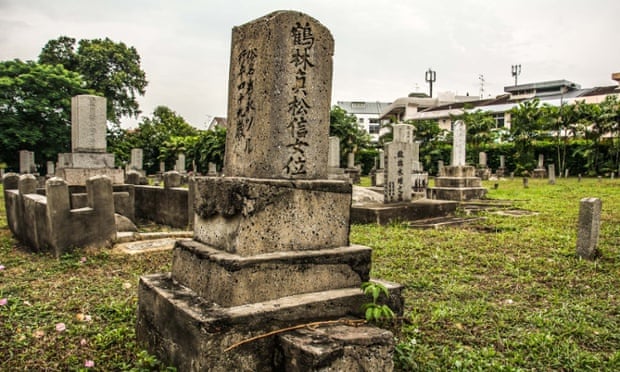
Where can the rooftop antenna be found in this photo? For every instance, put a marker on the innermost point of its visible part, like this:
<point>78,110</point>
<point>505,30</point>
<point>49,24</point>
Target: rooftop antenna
<point>481,78</point>
<point>516,71</point>
<point>430,76</point>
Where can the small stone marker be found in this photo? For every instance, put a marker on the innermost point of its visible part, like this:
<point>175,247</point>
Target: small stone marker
<point>350,160</point>
<point>541,161</point>
<point>588,228</point>
<point>551,171</point>
<point>502,161</point>
<point>566,173</point>
<point>579,177</point>
<point>50,168</point>
<point>459,137</point>
<point>525,182</point>
<point>381,159</point>
<point>180,164</point>
<point>398,165</point>
<point>88,124</point>
<point>162,167</point>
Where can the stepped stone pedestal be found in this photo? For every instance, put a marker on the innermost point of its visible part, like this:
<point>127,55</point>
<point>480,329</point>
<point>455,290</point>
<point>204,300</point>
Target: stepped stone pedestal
<point>457,183</point>
<point>270,248</point>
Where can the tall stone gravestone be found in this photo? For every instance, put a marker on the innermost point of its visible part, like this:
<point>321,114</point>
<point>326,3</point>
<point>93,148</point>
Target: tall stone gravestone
<point>502,166</point>
<point>334,171</point>
<point>26,162</point>
<point>271,238</point>
<point>398,156</point>
<point>458,181</point>
<point>540,171</point>
<point>180,163</point>
<point>136,160</point>
<point>483,170</point>
<point>88,144</point>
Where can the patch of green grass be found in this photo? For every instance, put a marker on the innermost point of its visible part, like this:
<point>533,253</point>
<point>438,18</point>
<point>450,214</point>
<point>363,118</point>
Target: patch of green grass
<point>508,293</point>
<point>505,293</point>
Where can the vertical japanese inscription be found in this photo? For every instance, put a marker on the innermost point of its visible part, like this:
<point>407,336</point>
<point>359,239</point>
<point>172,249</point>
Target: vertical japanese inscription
<point>246,109</point>
<point>298,107</point>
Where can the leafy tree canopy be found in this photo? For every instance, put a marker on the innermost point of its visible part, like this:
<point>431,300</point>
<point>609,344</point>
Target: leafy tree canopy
<point>35,109</point>
<point>344,126</point>
<point>110,68</point>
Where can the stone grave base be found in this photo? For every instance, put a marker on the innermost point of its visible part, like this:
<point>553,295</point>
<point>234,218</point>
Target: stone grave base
<point>231,280</point>
<point>457,193</point>
<point>184,330</point>
<point>353,174</point>
<point>78,176</point>
<point>335,348</point>
<point>539,173</point>
<point>383,214</point>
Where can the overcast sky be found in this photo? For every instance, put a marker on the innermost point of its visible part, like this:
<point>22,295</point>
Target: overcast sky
<point>383,47</point>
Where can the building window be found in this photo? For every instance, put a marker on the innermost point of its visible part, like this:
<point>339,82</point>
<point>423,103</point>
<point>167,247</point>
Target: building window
<point>358,105</point>
<point>373,121</point>
<point>360,120</point>
<point>499,120</point>
<point>374,128</point>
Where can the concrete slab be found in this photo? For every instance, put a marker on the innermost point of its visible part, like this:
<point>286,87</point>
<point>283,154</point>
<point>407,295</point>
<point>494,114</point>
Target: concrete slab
<point>145,246</point>
<point>383,214</point>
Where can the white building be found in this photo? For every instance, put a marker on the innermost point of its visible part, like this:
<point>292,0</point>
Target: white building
<point>367,114</point>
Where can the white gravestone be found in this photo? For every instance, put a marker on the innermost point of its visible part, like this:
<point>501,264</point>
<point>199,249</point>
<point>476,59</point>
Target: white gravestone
<point>459,138</point>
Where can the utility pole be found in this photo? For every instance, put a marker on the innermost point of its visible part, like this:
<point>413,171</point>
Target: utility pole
<point>430,76</point>
<point>516,71</point>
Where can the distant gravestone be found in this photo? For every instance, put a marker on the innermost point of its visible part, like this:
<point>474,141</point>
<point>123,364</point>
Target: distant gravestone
<point>381,160</point>
<point>88,124</point>
<point>526,182</point>
<point>162,167</point>
<point>541,161</point>
<point>459,137</point>
<point>294,69</point>
<point>333,160</point>
<point>136,159</point>
<point>551,171</point>
<point>415,156</point>
<point>482,159</point>
<point>439,165</point>
<point>212,169</point>
<point>26,162</point>
<point>50,168</point>
<point>350,160</point>
<point>180,165</point>
<point>588,227</point>
<point>403,133</point>
<point>502,161</point>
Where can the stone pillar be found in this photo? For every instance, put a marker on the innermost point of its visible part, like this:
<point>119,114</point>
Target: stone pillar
<point>162,167</point>
<point>588,227</point>
<point>398,163</point>
<point>88,124</point>
<point>551,171</point>
<point>526,182</point>
<point>50,168</point>
<point>100,197</point>
<point>541,161</point>
<point>333,160</point>
<point>180,165</point>
<point>482,159</point>
<point>439,166</point>
<point>502,161</point>
<point>403,133</point>
<point>381,159</point>
<point>136,159</point>
<point>58,212</point>
<point>350,160</point>
<point>459,138</point>
<point>26,162</point>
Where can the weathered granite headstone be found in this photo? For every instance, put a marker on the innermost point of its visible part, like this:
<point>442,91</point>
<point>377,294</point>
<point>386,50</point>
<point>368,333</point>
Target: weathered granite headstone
<point>88,144</point>
<point>136,159</point>
<point>403,133</point>
<point>551,174</point>
<point>180,164</point>
<point>334,170</point>
<point>459,140</point>
<point>26,162</point>
<point>50,168</point>
<point>398,159</point>
<point>502,161</point>
<point>350,160</point>
<point>378,177</point>
<point>440,165</point>
<point>351,171</point>
<point>540,171</point>
<point>162,167</point>
<point>274,218</point>
<point>588,227</point>
<point>526,182</point>
<point>212,171</point>
<point>483,170</point>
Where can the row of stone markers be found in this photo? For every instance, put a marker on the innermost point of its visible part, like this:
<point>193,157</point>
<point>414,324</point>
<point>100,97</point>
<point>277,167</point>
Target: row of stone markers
<point>271,238</point>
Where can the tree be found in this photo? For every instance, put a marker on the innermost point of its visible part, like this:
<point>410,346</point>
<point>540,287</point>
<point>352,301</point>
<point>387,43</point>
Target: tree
<point>151,136</point>
<point>525,127</point>
<point>432,144</point>
<point>35,109</point>
<point>211,148</point>
<point>344,126</point>
<point>110,68</point>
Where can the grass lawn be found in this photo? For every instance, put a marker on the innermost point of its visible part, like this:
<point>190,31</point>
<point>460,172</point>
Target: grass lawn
<point>506,293</point>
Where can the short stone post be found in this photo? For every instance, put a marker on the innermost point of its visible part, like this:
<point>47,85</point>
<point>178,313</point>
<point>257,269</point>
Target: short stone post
<point>526,182</point>
<point>133,177</point>
<point>58,211</point>
<point>588,228</point>
<point>27,184</point>
<point>162,167</point>
<point>50,168</point>
<point>579,177</point>
<point>351,160</point>
<point>10,181</point>
<point>551,171</point>
<point>381,160</point>
<point>136,159</point>
<point>100,196</point>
